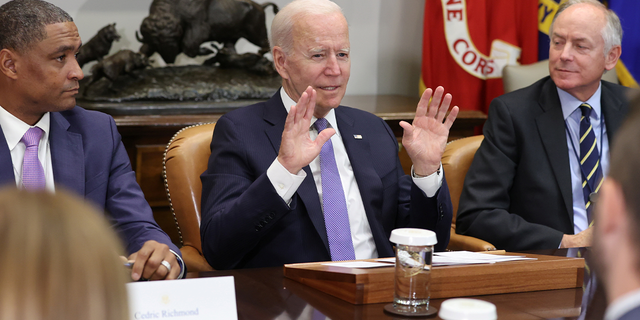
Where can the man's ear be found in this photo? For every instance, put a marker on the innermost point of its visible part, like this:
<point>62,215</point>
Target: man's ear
<point>612,57</point>
<point>8,63</point>
<point>279,60</point>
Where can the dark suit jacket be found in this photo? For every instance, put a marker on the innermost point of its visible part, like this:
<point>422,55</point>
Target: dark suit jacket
<point>517,193</point>
<point>245,223</point>
<point>89,159</point>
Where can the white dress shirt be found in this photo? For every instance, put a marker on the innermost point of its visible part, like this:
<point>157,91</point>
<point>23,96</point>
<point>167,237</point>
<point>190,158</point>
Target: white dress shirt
<point>622,305</point>
<point>572,114</point>
<point>13,129</point>
<point>286,184</point>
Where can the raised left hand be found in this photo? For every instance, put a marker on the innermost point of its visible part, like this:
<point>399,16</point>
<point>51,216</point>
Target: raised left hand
<point>148,262</point>
<point>426,138</point>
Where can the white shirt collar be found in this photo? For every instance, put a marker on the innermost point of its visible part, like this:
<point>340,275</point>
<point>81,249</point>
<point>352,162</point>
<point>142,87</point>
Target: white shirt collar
<point>331,116</point>
<point>14,128</point>
<point>570,103</point>
<point>622,305</point>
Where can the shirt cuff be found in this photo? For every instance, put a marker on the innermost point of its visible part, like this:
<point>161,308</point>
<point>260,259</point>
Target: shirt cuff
<point>429,184</point>
<point>285,183</point>
<point>181,263</point>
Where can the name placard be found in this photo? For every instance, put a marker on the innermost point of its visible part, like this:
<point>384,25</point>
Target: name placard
<point>189,299</point>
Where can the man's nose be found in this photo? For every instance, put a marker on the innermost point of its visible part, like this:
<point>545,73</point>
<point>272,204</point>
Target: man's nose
<point>332,68</point>
<point>76,71</point>
<point>567,52</point>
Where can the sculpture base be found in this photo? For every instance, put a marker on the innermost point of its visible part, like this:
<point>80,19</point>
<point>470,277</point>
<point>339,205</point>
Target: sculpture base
<point>181,83</point>
<point>143,108</point>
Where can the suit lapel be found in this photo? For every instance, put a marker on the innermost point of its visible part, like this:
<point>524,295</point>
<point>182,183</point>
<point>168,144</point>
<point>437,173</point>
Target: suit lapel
<point>551,128</point>
<point>6,164</point>
<point>613,111</point>
<point>67,155</point>
<point>275,114</point>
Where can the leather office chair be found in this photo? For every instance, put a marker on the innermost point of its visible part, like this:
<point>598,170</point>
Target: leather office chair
<point>515,77</point>
<point>185,159</point>
<point>456,160</point>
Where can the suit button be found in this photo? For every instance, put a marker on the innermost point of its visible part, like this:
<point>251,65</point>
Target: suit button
<point>441,208</point>
<point>258,228</point>
<point>264,222</point>
<point>271,215</point>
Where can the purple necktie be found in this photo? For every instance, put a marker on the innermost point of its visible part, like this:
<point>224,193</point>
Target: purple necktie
<point>334,205</point>
<point>32,172</point>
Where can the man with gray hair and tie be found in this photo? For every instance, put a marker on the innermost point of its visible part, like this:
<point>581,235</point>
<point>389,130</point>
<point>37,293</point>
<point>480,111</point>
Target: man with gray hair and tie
<point>545,148</point>
<point>300,178</point>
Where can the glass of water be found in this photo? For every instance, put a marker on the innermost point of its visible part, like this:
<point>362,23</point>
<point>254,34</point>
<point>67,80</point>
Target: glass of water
<point>414,248</point>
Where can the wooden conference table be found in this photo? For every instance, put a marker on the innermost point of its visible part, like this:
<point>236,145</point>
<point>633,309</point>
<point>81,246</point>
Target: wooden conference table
<point>264,293</point>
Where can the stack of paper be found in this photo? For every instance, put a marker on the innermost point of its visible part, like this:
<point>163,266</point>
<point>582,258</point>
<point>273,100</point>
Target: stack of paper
<point>467,257</point>
<point>450,258</point>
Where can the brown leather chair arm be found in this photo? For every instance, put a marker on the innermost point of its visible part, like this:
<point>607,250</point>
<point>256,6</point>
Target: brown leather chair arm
<point>462,242</point>
<point>194,260</point>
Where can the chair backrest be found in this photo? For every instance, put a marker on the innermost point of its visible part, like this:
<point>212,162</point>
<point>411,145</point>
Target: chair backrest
<point>185,159</point>
<point>456,161</point>
<point>515,77</point>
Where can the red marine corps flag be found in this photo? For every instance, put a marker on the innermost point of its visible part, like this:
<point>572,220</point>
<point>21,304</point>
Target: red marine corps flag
<point>468,42</point>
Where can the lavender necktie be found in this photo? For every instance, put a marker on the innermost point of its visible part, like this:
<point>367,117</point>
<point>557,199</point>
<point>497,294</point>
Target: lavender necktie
<point>32,172</point>
<point>334,205</point>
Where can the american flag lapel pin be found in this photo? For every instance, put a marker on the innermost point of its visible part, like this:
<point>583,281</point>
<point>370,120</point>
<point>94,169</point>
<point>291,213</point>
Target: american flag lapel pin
<point>357,136</point>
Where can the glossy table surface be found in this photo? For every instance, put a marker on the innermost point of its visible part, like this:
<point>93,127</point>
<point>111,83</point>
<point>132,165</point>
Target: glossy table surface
<point>265,293</point>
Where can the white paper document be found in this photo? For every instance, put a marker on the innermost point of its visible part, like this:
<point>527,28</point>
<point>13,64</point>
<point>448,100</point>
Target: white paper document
<point>192,299</point>
<point>452,258</point>
<point>467,257</point>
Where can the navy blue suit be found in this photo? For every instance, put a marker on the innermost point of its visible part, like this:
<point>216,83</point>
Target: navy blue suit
<point>89,159</point>
<point>245,223</point>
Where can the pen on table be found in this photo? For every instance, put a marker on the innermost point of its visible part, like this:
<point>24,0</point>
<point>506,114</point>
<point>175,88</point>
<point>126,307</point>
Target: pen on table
<point>495,252</point>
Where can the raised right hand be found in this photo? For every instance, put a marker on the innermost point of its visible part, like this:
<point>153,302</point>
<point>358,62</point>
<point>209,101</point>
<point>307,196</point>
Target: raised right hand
<point>297,149</point>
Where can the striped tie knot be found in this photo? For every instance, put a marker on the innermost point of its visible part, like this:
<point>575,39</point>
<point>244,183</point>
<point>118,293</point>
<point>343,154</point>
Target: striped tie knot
<point>586,111</point>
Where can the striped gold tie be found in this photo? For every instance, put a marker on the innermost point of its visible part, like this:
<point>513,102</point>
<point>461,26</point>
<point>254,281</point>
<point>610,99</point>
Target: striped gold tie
<point>589,159</point>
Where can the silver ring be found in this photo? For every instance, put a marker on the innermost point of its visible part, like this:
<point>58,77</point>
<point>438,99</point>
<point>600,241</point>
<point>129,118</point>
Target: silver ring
<point>166,264</point>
